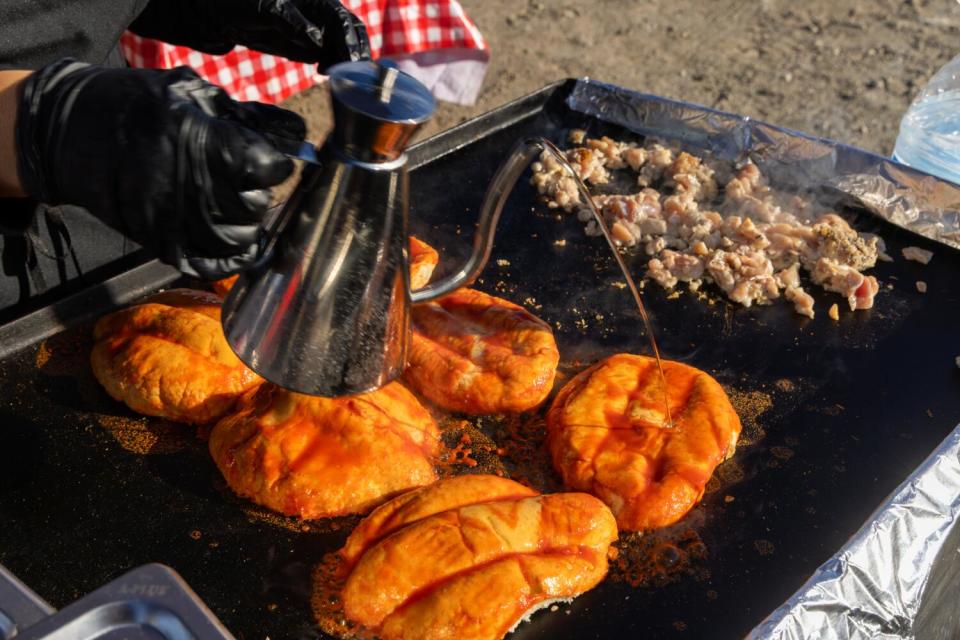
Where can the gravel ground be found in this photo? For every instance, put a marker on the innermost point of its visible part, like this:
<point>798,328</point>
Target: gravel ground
<point>844,69</point>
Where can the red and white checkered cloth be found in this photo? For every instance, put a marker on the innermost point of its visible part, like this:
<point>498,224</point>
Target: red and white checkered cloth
<point>395,28</point>
<point>411,26</point>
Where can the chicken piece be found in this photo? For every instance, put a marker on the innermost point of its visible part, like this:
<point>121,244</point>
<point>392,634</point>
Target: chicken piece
<point>673,267</point>
<point>917,254</point>
<point>748,182</point>
<point>787,243</point>
<point>684,266</point>
<point>610,149</point>
<point>475,353</point>
<point>629,217</point>
<point>863,296</point>
<point>423,260</point>
<point>633,208</point>
<point>836,240</point>
<point>658,272</point>
<point>744,232</point>
<point>474,570</point>
<point>689,175</point>
<point>658,160</point>
<point>635,157</point>
<point>746,276</point>
<point>447,494</point>
<point>858,289</point>
<point>802,301</point>
<point>553,182</point>
<point>590,164</point>
<point>608,434</point>
<point>317,457</point>
<point>834,312</point>
<point>168,357</point>
<point>625,233</point>
<point>789,277</point>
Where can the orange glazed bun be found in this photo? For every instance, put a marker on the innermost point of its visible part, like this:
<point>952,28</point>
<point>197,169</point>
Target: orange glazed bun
<point>317,457</point>
<point>607,434</point>
<point>474,568</point>
<point>168,357</point>
<point>475,353</point>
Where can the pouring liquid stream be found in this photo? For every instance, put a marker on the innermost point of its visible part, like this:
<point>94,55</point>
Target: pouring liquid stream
<point>494,200</point>
<point>588,199</point>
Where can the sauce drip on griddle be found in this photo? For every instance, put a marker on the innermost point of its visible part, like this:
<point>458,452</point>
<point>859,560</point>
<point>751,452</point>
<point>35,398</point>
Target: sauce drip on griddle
<point>586,197</point>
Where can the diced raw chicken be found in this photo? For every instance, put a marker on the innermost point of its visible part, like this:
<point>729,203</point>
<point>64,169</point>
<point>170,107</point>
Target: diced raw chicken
<point>635,157</point>
<point>753,248</point>
<point>836,240</point>
<point>802,301</point>
<point>865,293</point>
<point>660,274</point>
<point>658,159</point>
<point>789,277</point>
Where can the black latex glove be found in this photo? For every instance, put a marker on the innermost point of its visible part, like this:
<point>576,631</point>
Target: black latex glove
<point>323,32</point>
<point>162,156</point>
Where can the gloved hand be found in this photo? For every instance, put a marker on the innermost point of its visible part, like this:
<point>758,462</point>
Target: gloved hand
<point>317,31</point>
<point>162,156</point>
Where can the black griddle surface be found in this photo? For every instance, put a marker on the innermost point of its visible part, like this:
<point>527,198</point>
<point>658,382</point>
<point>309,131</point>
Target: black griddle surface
<point>855,406</point>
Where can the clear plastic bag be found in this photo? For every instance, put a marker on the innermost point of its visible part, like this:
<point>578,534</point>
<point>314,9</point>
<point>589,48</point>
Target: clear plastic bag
<point>929,137</point>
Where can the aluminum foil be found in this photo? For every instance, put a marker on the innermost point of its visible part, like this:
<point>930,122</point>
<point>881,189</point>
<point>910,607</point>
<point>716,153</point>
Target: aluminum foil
<point>873,587</point>
<point>906,197</point>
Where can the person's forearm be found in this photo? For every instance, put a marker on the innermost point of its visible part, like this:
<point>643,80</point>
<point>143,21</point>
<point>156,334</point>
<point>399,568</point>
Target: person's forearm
<point>10,83</point>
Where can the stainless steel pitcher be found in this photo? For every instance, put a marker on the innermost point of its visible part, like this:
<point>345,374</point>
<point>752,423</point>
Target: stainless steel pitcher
<point>326,311</point>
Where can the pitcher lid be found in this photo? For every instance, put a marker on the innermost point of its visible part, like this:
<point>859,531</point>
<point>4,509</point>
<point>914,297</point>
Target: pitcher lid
<point>381,91</point>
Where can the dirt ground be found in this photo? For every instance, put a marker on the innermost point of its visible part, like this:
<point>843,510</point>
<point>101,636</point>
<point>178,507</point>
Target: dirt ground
<point>843,69</point>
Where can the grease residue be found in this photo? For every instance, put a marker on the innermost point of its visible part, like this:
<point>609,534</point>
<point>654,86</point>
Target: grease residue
<point>295,524</point>
<point>764,547</point>
<point>750,406</point>
<point>66,357</point>
<point>466,449</point>
<point>781,453</point>
<point>524,450</point>
<point>786,385</point>
<point>146,436</point>
<point>326,603</point>
<point>661,557</point>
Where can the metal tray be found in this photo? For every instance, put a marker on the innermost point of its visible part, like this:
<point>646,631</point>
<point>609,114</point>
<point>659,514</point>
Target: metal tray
<point>149,603</point>
<point>19,606</point>
<point>837,414</point>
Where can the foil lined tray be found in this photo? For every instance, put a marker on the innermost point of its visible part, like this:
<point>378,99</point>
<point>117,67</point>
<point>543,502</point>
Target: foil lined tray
<point>874,586</point>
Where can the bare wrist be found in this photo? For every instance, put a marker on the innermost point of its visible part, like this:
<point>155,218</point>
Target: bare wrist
<point>10,86</point>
